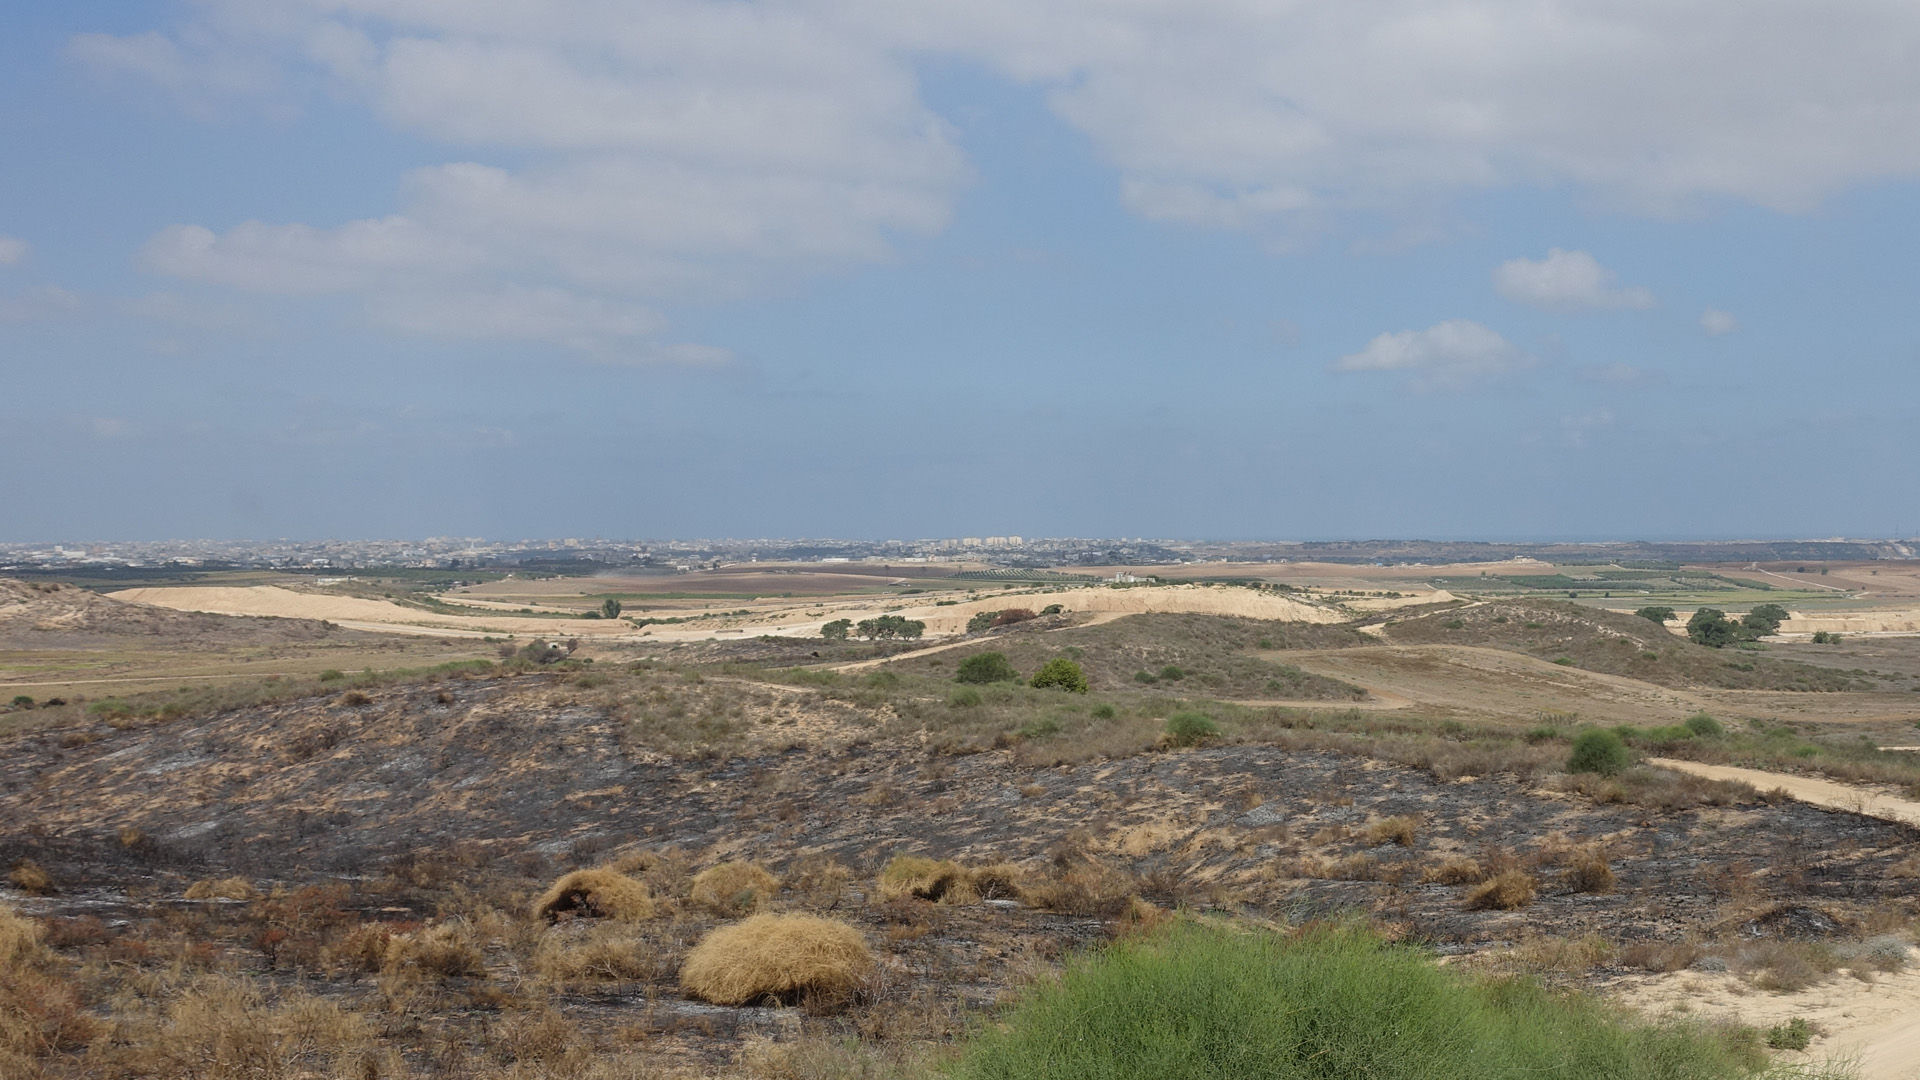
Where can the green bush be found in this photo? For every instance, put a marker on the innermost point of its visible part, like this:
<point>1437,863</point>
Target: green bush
<point>1600,752</point>
<point>1203,1003</point>
<point>1712,628</point>
<point>23,701</point>
<point>964,698</point>
<point>1703,725</point>
<point>1103,711</point>
<point>986,667</point>
<point>1191,728</point>
<point>1795,1034</point>
<point>982,620</point>
<point>1657,614</point>
<point>883,680</point>
<point>837,629</point>
<point>609,608</point>
<point>1060,673</point>
<point>1039,729</point>
<point>1145,677</point>
<point>1172,673</point>
<point>332,675</point>
<point>1052,609</point>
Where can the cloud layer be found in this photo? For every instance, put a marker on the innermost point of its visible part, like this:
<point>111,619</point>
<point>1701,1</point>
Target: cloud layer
<point>1565,281</point>
<point>606,158</point>
<point>1447,355</point>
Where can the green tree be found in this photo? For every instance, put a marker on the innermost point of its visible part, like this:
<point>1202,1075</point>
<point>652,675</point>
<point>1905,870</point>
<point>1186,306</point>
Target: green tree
<point>889,627</point>
<point>1657,614</point>
<point>609,608</point>
<point>1191,728</point>
<point>836,630</point>
<point>982,620</point>
<point>986,667</point>
<point>1060,673</point>
<point>1712,628</point>
<point>1764,619</point>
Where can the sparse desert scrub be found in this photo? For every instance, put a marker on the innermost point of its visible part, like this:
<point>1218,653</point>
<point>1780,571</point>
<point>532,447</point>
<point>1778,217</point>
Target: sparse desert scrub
<point>1083,887</point>
<point>733,888</point>
<point>1507,891</point>
<point>447,949</point>
<point>1454,870</point>
<point>608,952</point>
<point>997,881</point>
<point>1393,830</point>
<point>227,888</point>
<point>785,957</point>
<point>1191,728</point>
<point>1197,1002</point>
<point>922,878</point>
<point>596,894</point>
<point>27,876</point>
<point>220,1028</point>
<point>1587,872</point>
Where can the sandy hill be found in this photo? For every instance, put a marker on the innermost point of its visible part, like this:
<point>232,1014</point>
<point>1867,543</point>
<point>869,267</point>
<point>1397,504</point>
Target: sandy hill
<point>52,614</point>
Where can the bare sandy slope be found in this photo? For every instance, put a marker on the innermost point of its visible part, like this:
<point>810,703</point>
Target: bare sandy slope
<point>1853,798</point>
<point>1877,1024</point>
<point>353,611</point>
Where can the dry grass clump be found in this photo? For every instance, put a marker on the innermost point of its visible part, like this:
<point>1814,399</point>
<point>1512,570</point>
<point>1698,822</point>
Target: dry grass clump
<point>596,894</point>
<point>1508,891</point>
<point>1393,830</point>
<point>1660,956</point>
<point>733,888</point>
<point>1083,888</point>
<point>1587,872</point>
<point>1555,955</point>
<point>920,878</point>
<point>997,881</point>
<point>821,880</point>
<point>1455,870</point>
<point>444,950</point>
<point>27,876</point>
<point>604,953</point>
<point>223,1029</point>
<point>20,943</point>
<point>1784,967</point>
<point>228,888</point>
<point>39,1009</point>
<point>786,957</point>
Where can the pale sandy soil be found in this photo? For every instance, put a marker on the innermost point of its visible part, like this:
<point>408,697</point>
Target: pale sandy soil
<point>351,611</point>
<point>1853,798</point>
<point>1875,1024</point>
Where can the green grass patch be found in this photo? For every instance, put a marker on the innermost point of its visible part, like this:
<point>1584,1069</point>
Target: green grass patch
<point>1326,1003</point>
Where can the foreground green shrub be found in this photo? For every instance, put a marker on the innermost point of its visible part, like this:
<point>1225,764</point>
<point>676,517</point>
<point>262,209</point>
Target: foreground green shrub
<point>1062,674</point>
<point>1198,1003</point>
<point>986,667</point>
<point>1703,725</point>
<point>1191,728</point>
<point>1598,752</point>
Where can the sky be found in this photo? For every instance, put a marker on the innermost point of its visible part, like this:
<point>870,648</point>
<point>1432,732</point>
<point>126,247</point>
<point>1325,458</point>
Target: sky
<point>1612,269</point>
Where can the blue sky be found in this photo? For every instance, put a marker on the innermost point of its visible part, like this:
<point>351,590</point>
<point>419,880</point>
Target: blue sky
<point>834,267</point>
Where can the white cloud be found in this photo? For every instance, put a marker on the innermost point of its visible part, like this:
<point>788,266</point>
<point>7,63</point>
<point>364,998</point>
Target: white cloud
<point>1616,374</point>
<point>681,146</point>
<point>1443,356</point>
<point>1565,281</point>
<point>1716,322</point>
<point>35,305</point>
<point>13,250</point>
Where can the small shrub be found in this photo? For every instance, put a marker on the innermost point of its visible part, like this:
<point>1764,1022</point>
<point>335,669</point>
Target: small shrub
<point>353,699</point>
<point>920,878</point>
<point>27,876</point>
<point>1795,1034</point>
<point>964,698</point>
<point>1702,725</point>
<point>1392,830</point>
<point>1191,728</point>
<point>1013,615</point>
<point>596,894</point>
<point>1145,678</point>
<point>1062,674</point>
<point>1502,892</point>
<point>1172,673</point>
<point>1083,888</point>
<point>332,675</point>
<point>1564,661</point>
<point>446,950</point>
<point>1457,870</point>
<point>997,881</point>
<point>1598,751</point>
<point>1038,729</point>
<point>986,667</point>
<point>1588,872</point>
<point>228,888</point>
<point>783,957</point>
<point>1656,614</point>
<point>733,888</point>
<point>605,953</point>
<point>1052,609</point>
<point>1103,711</point>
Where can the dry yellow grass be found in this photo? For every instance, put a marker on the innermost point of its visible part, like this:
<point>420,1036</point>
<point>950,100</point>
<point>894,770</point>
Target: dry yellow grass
<point>596,894</point>
<point>1393,830</point>
<point>19,940</point>
<point>779,956</point>
<point>1588,872</point>
<point>997,881</point>
<point>1456,870</point>
<point>230,888</point>
<point>27,876</point>
<point>445,950</point>
<point>1084,888</point>
<point>1502,892</point>
<point>604,953</point>
<point>921,878</point>
<point>733,888</point>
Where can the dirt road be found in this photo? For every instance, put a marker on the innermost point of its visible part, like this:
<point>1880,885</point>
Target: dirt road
<point>1828,793</point>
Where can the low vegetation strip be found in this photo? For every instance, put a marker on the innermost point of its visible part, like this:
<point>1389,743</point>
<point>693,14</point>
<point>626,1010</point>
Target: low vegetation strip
<point>1325,1003</point>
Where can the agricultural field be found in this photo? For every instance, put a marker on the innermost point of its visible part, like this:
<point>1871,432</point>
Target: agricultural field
<point>287,847</point>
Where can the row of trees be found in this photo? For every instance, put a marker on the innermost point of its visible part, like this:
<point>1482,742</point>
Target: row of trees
<point>1058,673</point>
<point>1711,626</point>
<point>883,628</point>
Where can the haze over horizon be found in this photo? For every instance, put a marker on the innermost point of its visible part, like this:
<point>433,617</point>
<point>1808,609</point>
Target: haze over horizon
<point>830,268</point>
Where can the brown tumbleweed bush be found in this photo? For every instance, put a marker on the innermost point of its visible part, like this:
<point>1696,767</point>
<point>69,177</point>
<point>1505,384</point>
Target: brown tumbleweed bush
<point>1502,892</point>
<point>733,888</point>
<point>786,957</point>
<point>596,894</point>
